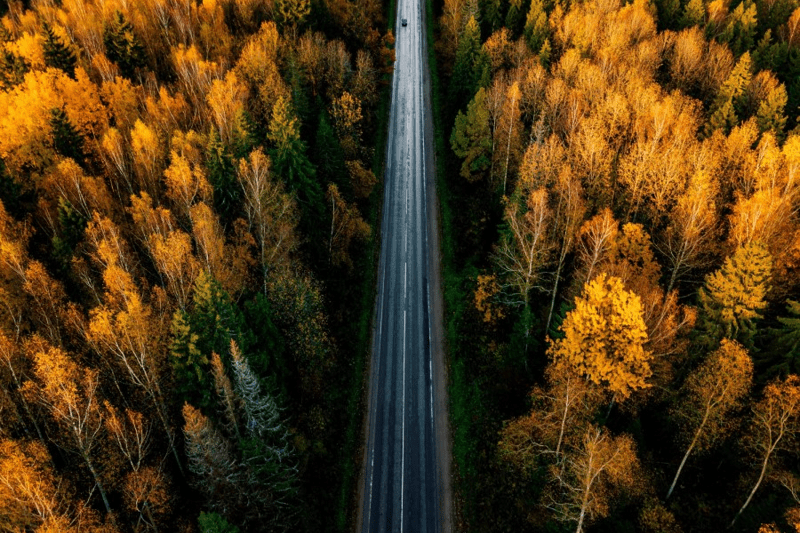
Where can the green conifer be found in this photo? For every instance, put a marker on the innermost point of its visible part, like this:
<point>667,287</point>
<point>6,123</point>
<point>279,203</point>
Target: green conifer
<point>67,141</point>
<point>734,296</point>
<point>472,138</point>
<point>56,53</point>
<point>123,47</point>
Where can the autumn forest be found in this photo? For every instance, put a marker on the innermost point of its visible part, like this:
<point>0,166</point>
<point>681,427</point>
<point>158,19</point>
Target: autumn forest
<point>623,310</point>
<point>187,201</point>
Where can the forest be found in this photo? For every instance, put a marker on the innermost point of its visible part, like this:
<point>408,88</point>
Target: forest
<point>188,195</point>
<point>620,186</point>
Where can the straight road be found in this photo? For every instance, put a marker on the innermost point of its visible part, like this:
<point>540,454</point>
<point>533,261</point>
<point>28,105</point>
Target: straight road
<point>406,460</point>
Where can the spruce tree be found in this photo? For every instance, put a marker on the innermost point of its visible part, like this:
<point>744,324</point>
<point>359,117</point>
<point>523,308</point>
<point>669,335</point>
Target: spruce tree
<point>222,176</point>
<point>770,115</point>
<point>782,355</point>
<point>471,69</point>
<point>66,139</point>
<point>536,26</point>
<point>72,225</point>
<point>56,53</point>
<point>123,47</point>
<point>190,366</point>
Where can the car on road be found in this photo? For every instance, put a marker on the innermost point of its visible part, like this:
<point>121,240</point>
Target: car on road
<point>405,22</point>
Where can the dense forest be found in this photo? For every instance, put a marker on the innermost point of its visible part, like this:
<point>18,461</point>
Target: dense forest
<point>187,198</point>
<point>620,192</point>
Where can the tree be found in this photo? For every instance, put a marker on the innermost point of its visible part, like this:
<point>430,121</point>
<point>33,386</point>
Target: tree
<point>725,110</point>
<point>123,47</point>
<point>734,295</point>
<point>66,139</point>
<point>508,134</point>
<point>346,226</point>
<point>56,53</point>
<point>289,160</point>
<point>68,392</point>
<point>783,353</point>
<point>710,393</point>
<point>471,68</point>
<point>214,523</point>
<point>560,411</point>
<point>211,460</point>
<point>604,338</point>
<point>186,183</point>
<point>774,423</point>
<point>271,213</point>
<point>292,13</point>
<point>536,26</point>
<point>770,114</point>
<point>471,139</point>
<point>692,222</point>
<point>524,248</point>
<point>593,474</point>
<point>30,493</point>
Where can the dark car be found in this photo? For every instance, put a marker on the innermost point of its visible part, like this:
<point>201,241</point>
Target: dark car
<point>405,22</point>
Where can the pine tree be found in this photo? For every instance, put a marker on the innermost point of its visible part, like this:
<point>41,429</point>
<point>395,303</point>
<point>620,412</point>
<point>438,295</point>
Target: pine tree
<point>56,53</point>
<point>728,105</point>
<point>66,139</point>
<point>472,138</point>
<point>734,296</point>
<point>72,225</point>
<point>123,47</point>
<point>693,14</point>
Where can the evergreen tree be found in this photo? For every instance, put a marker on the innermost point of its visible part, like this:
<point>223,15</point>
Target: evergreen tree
<point>694,13</point>
<point>734,296</point>
<point>727,107</point>
<point>536,26</point>
<point>12,66</point>
<point>123,47</point>
<point>66,139</point>
<point>472,66</point>
<point>222,177</point>
<point>782,357</point>
<point>72,225</point>
<point>770,115</point>
<point>56,53</point>
<point>514,17</point>
<point>215,318</point>
<point>472,138</point>
<point>190,366</point>
<point>214,523</point>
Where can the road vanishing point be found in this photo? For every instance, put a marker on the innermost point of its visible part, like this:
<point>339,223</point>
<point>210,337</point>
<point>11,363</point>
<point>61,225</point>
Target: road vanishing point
<point>406,476</point>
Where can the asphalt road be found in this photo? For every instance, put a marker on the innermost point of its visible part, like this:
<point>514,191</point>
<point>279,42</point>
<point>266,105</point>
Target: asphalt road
<point>404,481</point>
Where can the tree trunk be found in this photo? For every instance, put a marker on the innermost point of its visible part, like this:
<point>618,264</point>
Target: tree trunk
<point>686,455</point>
<point>555,287</point>
<point>755,487</point>
<point>97,482</point>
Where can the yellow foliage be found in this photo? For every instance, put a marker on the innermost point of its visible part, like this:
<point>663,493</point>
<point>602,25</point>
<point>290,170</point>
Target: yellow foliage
<point>604,338</point>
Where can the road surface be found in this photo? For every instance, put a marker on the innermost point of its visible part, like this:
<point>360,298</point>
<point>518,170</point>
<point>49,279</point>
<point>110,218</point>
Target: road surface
<point>406,459</point>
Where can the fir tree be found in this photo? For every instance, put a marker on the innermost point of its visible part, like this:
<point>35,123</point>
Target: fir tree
<point>123,47</point>
<point>734,296</point>
<point>66,139</point>
<point>56,53</point>
<point>693,14</point>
